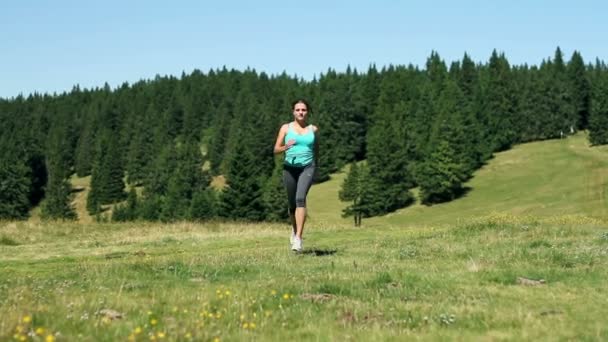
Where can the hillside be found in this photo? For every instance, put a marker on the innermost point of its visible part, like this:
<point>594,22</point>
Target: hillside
<point>529,263</point>
<point>540,179</point>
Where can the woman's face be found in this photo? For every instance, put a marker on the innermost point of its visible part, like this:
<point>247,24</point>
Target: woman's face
<point>300,111</point>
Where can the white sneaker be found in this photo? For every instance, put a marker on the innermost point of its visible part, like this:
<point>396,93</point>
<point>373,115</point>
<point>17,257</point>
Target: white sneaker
<point>297,245</point>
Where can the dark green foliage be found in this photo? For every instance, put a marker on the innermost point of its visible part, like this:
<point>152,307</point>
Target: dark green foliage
<point>249,161</point>
<point>497,109</point>
<point>185,179</point>
<point>580,90</point>
<point>389,173</point>
<point>413,126</point>
<point>14,187</point>
<point>128,210</point>
<point>203,205</point>
<point>275,196</point>
<point>58,200</point>
<point>356,189</point>
<point>139,157</point>
<point>441,176</point>
<point>598,122</point>
<point>150,207</point>
<point>107,177</point>
<point>219,139</point>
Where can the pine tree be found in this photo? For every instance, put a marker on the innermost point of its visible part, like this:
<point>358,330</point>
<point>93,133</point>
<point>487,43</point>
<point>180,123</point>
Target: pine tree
<point>203,205</point>
<point>598,122</point>
<point>219,139</point>
<point>356,189</point>
<point>275,199</point>
<point>186,179</point>
<point>562,107</point>
<point>58,198</point>
<point>141,143</point>
<point>14,187</point>
<point>443,176</point>
<point>107,183</point>
<point>580,89</point>
<point>127,211</point>
<point>250,160</point>
<point>389,173</point>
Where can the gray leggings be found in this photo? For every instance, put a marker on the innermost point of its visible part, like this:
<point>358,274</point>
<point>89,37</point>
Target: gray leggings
<point>297,180</point>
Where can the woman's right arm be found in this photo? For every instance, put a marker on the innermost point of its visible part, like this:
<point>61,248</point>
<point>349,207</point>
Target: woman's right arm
<point>279,147</point>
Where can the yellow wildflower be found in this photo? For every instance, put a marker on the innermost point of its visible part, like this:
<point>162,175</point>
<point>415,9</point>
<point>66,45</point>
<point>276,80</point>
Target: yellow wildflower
<point>137,331</point>
<point>49,338</point>
<point>286,296</point>
<point>252,325</point>
<point>153,321</point>
<point>160,335</point>
<point>39,331</point>
<point>245,325</point>
<point>27,319</point>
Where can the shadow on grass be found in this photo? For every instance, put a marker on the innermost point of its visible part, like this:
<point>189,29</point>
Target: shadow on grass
<point>319,252</point>
<point>438,199</point>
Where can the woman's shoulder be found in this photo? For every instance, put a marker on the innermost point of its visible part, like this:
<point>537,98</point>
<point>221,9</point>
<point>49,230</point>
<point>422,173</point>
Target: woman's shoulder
<point>315,129</point>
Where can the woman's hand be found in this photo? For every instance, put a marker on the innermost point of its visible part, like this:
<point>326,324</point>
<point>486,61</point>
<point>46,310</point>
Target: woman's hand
<point>289,144</point>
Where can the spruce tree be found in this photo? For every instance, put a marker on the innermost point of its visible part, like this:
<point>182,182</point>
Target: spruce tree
<point>127,211</point>
<point>580,89</point>
<point>356,189</point>
<point>139,156</point>
<point>497,109</point>
<point>58,197</point>
<point>598,122</point>
<point>219,139</point>
<point>389,173</point>
<point>275,197</point>
<point>249,162</point>
<point>14,186</point>
<point>203,205</point>
<point>442,175</point>
<point>185,180</point>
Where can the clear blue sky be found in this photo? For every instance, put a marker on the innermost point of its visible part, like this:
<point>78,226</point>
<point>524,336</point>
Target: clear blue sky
<point>49,46</point>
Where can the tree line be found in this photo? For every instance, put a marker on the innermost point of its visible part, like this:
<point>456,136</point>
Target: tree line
<point>152,148</point>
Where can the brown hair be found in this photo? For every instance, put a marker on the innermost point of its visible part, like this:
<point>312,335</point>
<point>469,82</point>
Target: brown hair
<point>294,103</point>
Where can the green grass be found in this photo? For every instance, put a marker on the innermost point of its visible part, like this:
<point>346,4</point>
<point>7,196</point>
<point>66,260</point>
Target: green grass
<point>541,179</point>
<point>363,284</point>
<point>445,272</point>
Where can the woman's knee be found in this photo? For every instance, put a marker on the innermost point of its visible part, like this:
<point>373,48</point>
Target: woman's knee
<point>301,202</point>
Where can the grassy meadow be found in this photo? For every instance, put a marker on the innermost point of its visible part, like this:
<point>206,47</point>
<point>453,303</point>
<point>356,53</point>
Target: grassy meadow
<point>523,256</point>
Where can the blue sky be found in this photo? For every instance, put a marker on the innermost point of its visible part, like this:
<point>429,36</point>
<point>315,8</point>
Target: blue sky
<point>49,46</point>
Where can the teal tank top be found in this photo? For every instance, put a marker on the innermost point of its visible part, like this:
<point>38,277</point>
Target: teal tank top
<point>302,152</point>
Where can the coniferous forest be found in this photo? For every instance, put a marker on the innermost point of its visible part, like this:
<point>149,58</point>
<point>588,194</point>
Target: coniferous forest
<point>152,148</point>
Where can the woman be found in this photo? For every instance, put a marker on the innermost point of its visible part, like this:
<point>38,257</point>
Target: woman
<point>300,143</point>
